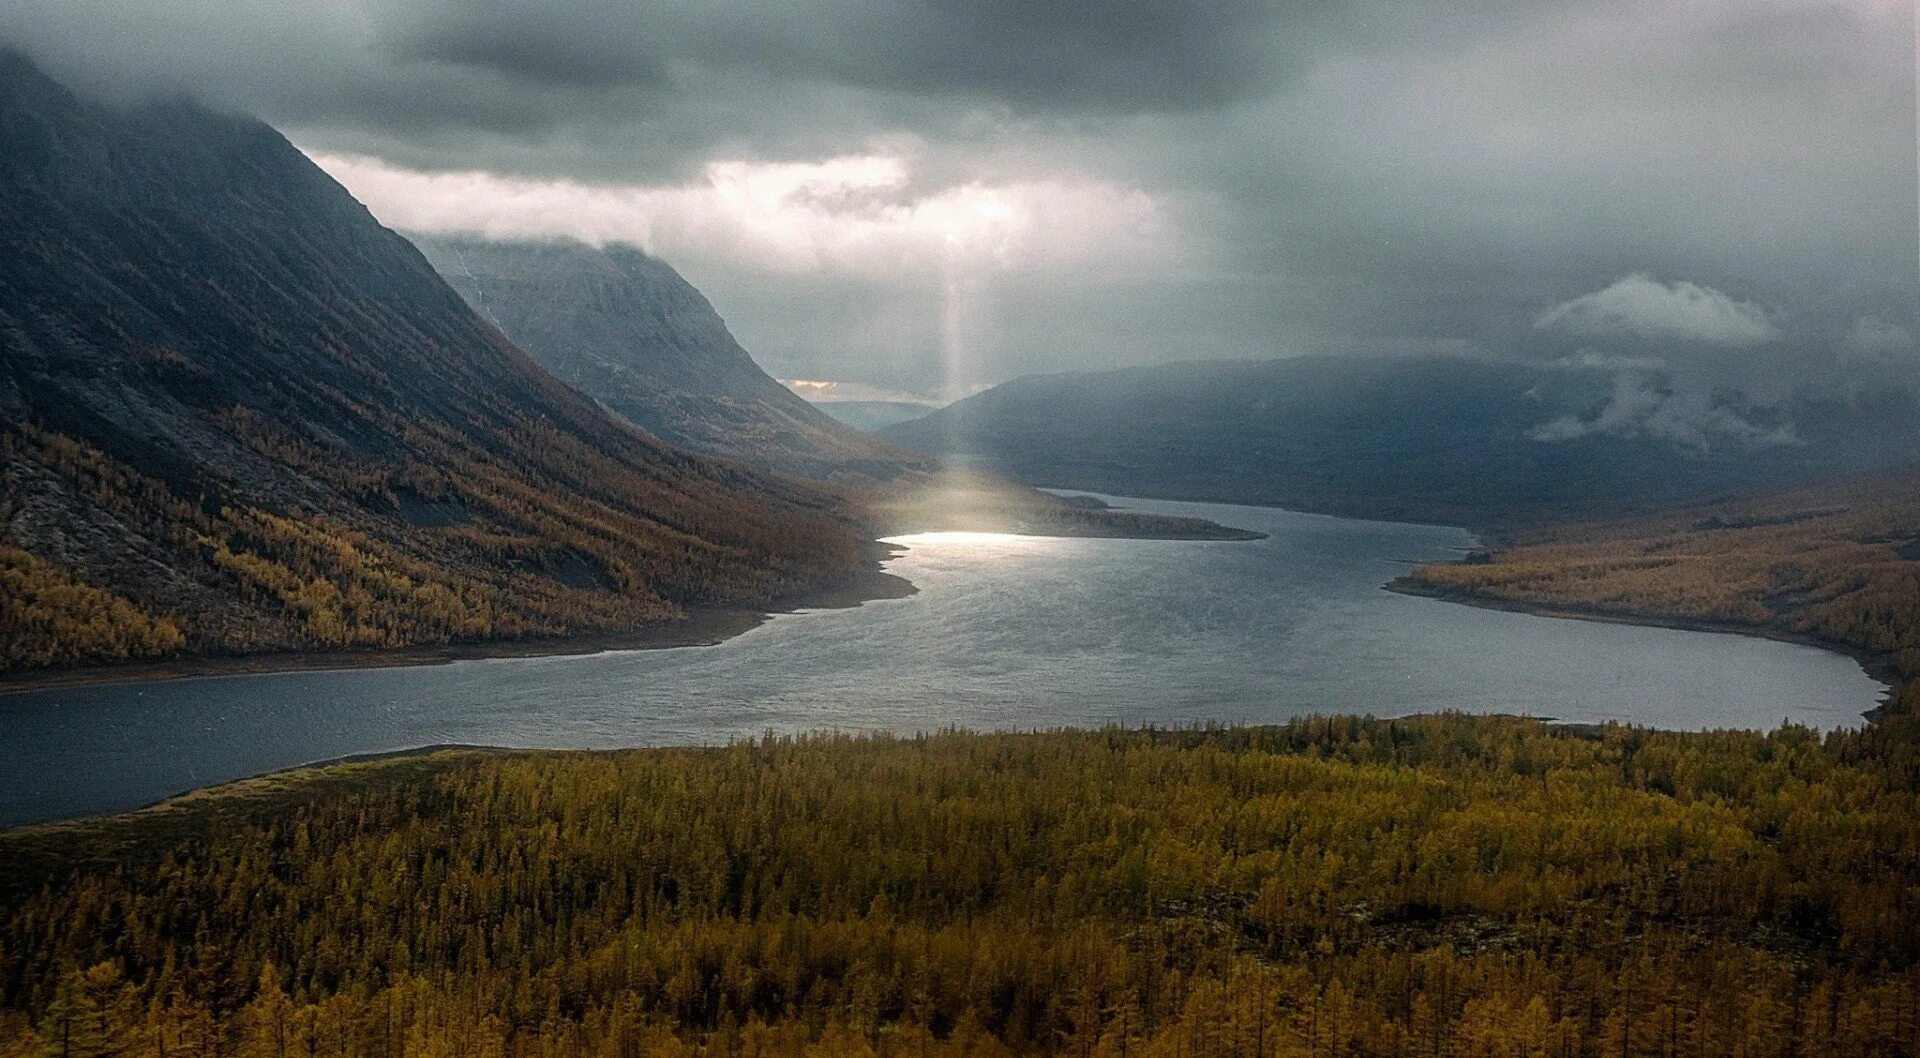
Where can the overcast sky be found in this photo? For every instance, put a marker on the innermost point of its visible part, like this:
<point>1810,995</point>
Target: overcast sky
<point>925,196</point>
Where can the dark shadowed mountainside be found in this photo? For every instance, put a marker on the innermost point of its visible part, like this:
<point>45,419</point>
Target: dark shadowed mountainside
<point>624,327</point>
<point>1434,439</point>
<point>241,416</point>
<point>875,415</point>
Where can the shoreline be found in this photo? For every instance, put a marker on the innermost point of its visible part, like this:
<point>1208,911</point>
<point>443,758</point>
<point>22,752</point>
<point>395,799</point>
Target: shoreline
<point>265,781</point>
<point>1879,667</point>
<point>713,626</point>
<point>702,627</point>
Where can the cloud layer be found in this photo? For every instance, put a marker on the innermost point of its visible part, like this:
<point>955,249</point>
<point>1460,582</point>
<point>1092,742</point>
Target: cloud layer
<point>1128,181</point>
<point>854,215</point>
<point>1639,307</point>
<point>1650,404</point>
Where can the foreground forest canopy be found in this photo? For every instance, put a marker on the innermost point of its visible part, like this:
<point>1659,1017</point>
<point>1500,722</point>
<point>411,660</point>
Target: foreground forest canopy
<point>1427,886</point>
<point>1837,562</point>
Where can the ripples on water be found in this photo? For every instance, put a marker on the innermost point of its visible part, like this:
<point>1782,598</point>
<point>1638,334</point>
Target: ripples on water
<point>1006,632</point>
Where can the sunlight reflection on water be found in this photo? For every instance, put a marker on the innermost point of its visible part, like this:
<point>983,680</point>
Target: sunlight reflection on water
<point>984,542</point>
<point>1005,632</point>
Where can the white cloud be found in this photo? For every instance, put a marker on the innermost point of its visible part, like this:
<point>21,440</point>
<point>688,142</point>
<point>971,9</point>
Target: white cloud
<point>1641,307</point>
<point>858,215</point>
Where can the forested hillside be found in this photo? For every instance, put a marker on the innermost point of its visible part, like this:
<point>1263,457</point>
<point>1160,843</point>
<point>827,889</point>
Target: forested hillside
<point>1432,438</point>
<point>1428,886</point>
<point>1838,562</point>
<point>238,415</point>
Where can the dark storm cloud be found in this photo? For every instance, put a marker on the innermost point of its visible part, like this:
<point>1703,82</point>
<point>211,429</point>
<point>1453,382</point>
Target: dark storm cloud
<point>1121,56</point>
<point>428,60</point>
<point>1354,175</point>
<point>580,45</point>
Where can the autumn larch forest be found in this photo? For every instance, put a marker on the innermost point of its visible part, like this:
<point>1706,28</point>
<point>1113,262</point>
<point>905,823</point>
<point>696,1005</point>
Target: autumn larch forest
<point>993,530</point>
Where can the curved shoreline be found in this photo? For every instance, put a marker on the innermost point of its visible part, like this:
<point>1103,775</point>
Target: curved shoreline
<point>704,627</point>
<point>417,739</point>
<point>1879,667</point>
<point>700,627</point>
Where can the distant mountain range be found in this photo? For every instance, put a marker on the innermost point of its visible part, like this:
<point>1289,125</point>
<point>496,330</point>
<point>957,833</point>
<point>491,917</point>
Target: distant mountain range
<point>626,329</point>
<point>237,414</point>
<point>875,415</point>
<point>1433,438</point>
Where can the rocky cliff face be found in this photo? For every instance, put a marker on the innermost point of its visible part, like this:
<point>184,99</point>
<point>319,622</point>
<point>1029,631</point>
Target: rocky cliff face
<point>239,415</point>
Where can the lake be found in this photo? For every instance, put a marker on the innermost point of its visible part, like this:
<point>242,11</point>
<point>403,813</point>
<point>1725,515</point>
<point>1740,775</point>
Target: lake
<point>1006,632</point>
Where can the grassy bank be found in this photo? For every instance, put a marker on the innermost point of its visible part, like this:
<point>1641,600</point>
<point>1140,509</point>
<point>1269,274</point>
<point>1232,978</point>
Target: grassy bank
<point>1438,885</point>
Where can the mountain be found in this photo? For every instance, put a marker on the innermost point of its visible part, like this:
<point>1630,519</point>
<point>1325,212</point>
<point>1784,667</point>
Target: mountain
<point>238,415</point>
<point>628,331</point>
<point>624,327</point>
<point>1432,438</point>
<point>875,415</point>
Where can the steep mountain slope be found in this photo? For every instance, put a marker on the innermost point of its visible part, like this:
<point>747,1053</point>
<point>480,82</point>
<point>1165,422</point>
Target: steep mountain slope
<point>239,415</point>
<point>1418,438</point>
<point>626,329</point>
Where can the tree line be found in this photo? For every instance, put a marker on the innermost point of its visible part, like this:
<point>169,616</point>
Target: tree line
<point>1430,886</point>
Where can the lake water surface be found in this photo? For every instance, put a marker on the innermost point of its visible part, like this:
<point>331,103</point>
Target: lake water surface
<point>1006,632</point>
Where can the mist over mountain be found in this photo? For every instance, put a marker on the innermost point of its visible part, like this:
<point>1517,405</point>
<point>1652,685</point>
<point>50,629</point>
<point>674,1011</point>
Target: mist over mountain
<point>628,331</point>
<point>239,415</point>
<point>624,327</point>
<point>1108,184</point>
<point>875,415</point>
<point>1422,438</point>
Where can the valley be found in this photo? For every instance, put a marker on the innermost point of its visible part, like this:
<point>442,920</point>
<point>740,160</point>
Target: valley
<point>1288,531</point>
<point>244,420</point>
<point>1003,632</point>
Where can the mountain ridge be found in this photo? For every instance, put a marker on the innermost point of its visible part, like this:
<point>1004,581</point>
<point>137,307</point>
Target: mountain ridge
<point>624,327</point>
<point>243,416</point>
<point>1430,438</point>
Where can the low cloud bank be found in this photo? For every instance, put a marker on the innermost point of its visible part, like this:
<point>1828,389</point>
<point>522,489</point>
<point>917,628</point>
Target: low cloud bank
<point>857,215</point>
<point>1640,307</point>
<point>1649,404</point>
